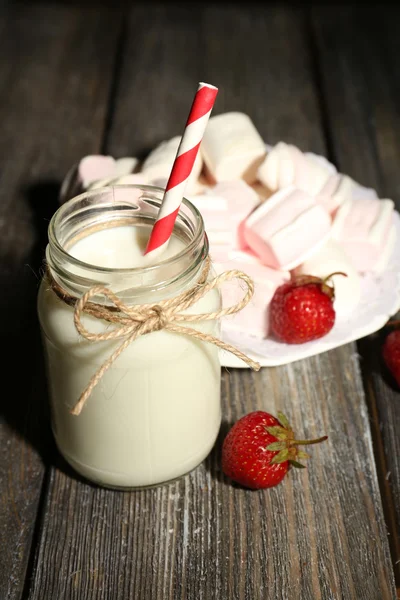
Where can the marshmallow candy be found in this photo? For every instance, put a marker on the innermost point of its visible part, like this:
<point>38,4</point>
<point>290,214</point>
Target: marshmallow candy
<point>215,213</point>
<point>232,148</point>
<point>130,179</point>
<point>364,228</point>
<point>340,188</point>
<point>125,165</point>
<point>83,174</point>
<point>92,168</point>
<point>286,229</point>
<point>241,198</point>
<point>223,209</point>
<point>253,319</point>
<point>157,166</point>
<point>95,171</point>
<point>286,165</point>
<point>331,258</point>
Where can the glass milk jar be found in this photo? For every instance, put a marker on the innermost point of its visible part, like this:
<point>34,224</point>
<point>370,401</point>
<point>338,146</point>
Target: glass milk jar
<point>154,415</point>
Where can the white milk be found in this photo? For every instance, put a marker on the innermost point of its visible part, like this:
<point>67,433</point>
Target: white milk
<point>120,248</point>
<point>155,414</point>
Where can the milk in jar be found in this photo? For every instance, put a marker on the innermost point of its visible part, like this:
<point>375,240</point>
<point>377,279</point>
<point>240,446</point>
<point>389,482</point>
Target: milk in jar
<point>155,414</point>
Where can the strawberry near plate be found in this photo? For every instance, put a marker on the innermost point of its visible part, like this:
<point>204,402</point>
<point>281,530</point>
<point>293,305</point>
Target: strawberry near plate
<point>380,299</point>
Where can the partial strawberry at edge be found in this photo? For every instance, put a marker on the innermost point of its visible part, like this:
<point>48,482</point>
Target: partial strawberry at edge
<point>260,449</point>
<point>302,309</point>
<point>391,354</point>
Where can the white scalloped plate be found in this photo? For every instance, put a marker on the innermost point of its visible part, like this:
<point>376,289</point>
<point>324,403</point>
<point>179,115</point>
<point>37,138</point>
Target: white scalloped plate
<point>380,299</point>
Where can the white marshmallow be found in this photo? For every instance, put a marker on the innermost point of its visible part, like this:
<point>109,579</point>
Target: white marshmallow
<point>125,165</point>
<point>330,259</point>
<point>341,188</point>
<point>241,198</point>
<point>286,165</point>
<point>94,167</point>
<point>131,179</point>
<point>364,228</point>
<point>232,148</point>
<point>277,171</point>
<point>315,175</point>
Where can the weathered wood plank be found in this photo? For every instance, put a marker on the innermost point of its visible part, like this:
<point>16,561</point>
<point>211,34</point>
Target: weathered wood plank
<point>55,74</point>
<point>362,90</point>
<point>321,534</point>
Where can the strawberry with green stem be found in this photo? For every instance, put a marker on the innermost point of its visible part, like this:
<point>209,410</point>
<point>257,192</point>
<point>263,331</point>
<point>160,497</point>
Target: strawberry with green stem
<point>302,310</point>
<point>260,449</point>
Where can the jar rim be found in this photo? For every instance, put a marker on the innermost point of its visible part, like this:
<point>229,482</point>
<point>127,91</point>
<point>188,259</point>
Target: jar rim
<point>60,213</point>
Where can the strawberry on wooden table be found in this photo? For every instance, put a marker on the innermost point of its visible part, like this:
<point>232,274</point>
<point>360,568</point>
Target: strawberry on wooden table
<point>302,309</point>
<point>391,353</point>
<point>260,449</point>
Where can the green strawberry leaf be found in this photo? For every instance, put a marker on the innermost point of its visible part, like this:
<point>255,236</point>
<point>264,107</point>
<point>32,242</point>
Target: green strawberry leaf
<point>296,464</point>
<point>276,446</point>
<point>301,454</point>
<point>277,431</point>
<point>281,457</point>
<point>284,421</point>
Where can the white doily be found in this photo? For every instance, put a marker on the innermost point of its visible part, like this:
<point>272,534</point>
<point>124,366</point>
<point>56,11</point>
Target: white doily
<point>380,299</point>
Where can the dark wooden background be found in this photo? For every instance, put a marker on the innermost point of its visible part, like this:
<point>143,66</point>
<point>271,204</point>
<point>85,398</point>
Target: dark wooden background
<point>79,78</point>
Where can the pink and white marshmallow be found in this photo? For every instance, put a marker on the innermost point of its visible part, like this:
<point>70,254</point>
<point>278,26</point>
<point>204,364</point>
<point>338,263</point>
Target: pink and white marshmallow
<point>331,258</point>
<point>224,207</point>
<point>130,179</point>
<point>232,148</point>
<point>254,318</point>
<point>340,188</point>
<point>96,171</point>
<point>286,165</point>
<point>94,168</point>
<point>365,229</point>
<point>286,229</point>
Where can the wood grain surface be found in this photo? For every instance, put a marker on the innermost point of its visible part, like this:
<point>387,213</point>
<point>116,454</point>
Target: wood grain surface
<point>361,90</point>
<point>55,75</point>
<point>321,534</point>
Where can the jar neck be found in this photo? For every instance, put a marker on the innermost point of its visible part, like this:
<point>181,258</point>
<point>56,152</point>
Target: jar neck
<point>122,206</point>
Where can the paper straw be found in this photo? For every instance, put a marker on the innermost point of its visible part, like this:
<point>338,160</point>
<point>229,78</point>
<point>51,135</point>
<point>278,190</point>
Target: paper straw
<point>194,130</point>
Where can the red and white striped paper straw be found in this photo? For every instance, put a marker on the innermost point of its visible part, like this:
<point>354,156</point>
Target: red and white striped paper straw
<point>182,167</point>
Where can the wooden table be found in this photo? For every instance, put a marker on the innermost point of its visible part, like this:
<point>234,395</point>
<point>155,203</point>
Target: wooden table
<point>97,78</point>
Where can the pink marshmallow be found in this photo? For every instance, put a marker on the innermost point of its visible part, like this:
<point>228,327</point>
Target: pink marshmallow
<point>131,179</point>
<point>364,228</point>
<point>313,173</point>
<point>223,209</point>
<point>327,197</point>
<point>360,192</point>
<point>241,198</point>
<point>125,165</point>
<point>287,229</point>
<point>286,165</point>
<point>253,319</point>
<point>214,211</point>
<point>340,188</point>
<point>95,167</point>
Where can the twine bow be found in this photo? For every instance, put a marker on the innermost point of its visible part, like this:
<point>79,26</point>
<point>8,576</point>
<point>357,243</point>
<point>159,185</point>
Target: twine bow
<point>134,321</point>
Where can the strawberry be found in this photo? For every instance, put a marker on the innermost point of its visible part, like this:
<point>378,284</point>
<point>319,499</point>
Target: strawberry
<point>259,450</point>
<point>302,309</point>
<point>391,354</point>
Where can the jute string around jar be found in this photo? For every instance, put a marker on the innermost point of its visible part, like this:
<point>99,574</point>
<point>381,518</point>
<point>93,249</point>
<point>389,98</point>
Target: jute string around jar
<point>134,321</point>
